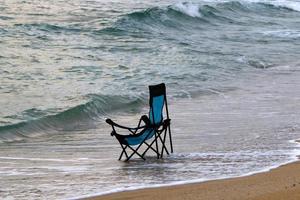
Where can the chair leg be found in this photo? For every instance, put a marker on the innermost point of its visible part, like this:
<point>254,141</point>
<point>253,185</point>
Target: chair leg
<point>121,155</point>
<point>155,140</point>
<point>171,144</point>
<point>123,151</point>
<point>156,144</point>
<point>135,152</point>
<point>163,144</point>
<point>149,147</point>
<point>126,152</point>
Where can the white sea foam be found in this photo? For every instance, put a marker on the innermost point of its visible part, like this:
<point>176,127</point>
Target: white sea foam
<point>291,4</point>
<point>287,33</point>
<point>192,10</point>
<point>188,9</point>
<point>293,158</point>
<point>44,159</point>
<point>288,4</point>
<point>294,5</point>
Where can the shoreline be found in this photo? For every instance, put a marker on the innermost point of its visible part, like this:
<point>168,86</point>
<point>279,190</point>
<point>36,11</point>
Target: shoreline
<point>295,159</point>
<point>281,182</point>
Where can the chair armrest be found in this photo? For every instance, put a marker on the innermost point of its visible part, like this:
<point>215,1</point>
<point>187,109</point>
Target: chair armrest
<point>165,123</point>
<point>145,119</point>
<point>114,124</point>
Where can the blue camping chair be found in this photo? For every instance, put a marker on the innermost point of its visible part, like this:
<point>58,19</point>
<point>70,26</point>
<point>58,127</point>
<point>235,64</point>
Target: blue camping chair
<point>154,128</point>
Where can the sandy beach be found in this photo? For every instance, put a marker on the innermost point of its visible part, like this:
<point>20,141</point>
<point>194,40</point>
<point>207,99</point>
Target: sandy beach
<point>282,183</point>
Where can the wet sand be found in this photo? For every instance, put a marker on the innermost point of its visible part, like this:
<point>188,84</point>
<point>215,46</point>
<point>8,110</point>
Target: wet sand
<point>282,183</point>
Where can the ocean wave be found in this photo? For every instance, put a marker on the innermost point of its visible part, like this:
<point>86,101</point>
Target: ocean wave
<point>285,4</point>
<point>80,117</point>
<point>186,15</point>
<point>5,18</point>
<point>47,27</point>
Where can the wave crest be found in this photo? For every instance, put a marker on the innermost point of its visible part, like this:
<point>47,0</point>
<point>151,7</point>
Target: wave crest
<point>185,15</point>
<point>81,117</point>
<point>188,9</point>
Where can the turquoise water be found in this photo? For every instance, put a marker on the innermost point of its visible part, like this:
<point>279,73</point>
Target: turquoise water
<point>233,66</point>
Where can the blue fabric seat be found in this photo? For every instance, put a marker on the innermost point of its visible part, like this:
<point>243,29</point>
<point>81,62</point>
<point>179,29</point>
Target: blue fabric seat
<point>138,139</point>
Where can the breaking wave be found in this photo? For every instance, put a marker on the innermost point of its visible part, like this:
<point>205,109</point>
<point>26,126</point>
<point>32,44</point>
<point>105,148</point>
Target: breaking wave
<point>80,117</point>
<point>190,15</point>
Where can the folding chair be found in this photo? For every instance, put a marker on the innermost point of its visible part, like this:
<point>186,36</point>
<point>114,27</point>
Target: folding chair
<point>153,131</point>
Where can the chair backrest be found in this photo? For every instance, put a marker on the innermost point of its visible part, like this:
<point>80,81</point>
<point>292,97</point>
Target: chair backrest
<point>157,102</point>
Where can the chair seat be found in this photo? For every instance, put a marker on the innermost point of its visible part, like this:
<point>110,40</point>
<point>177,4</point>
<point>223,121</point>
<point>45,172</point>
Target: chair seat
<point>146,134</point>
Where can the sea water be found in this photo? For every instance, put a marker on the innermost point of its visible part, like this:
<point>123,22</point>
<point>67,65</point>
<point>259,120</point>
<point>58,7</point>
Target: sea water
<point>231,68</point>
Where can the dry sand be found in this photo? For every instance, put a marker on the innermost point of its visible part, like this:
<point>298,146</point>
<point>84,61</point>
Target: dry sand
<point>282,183</point>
